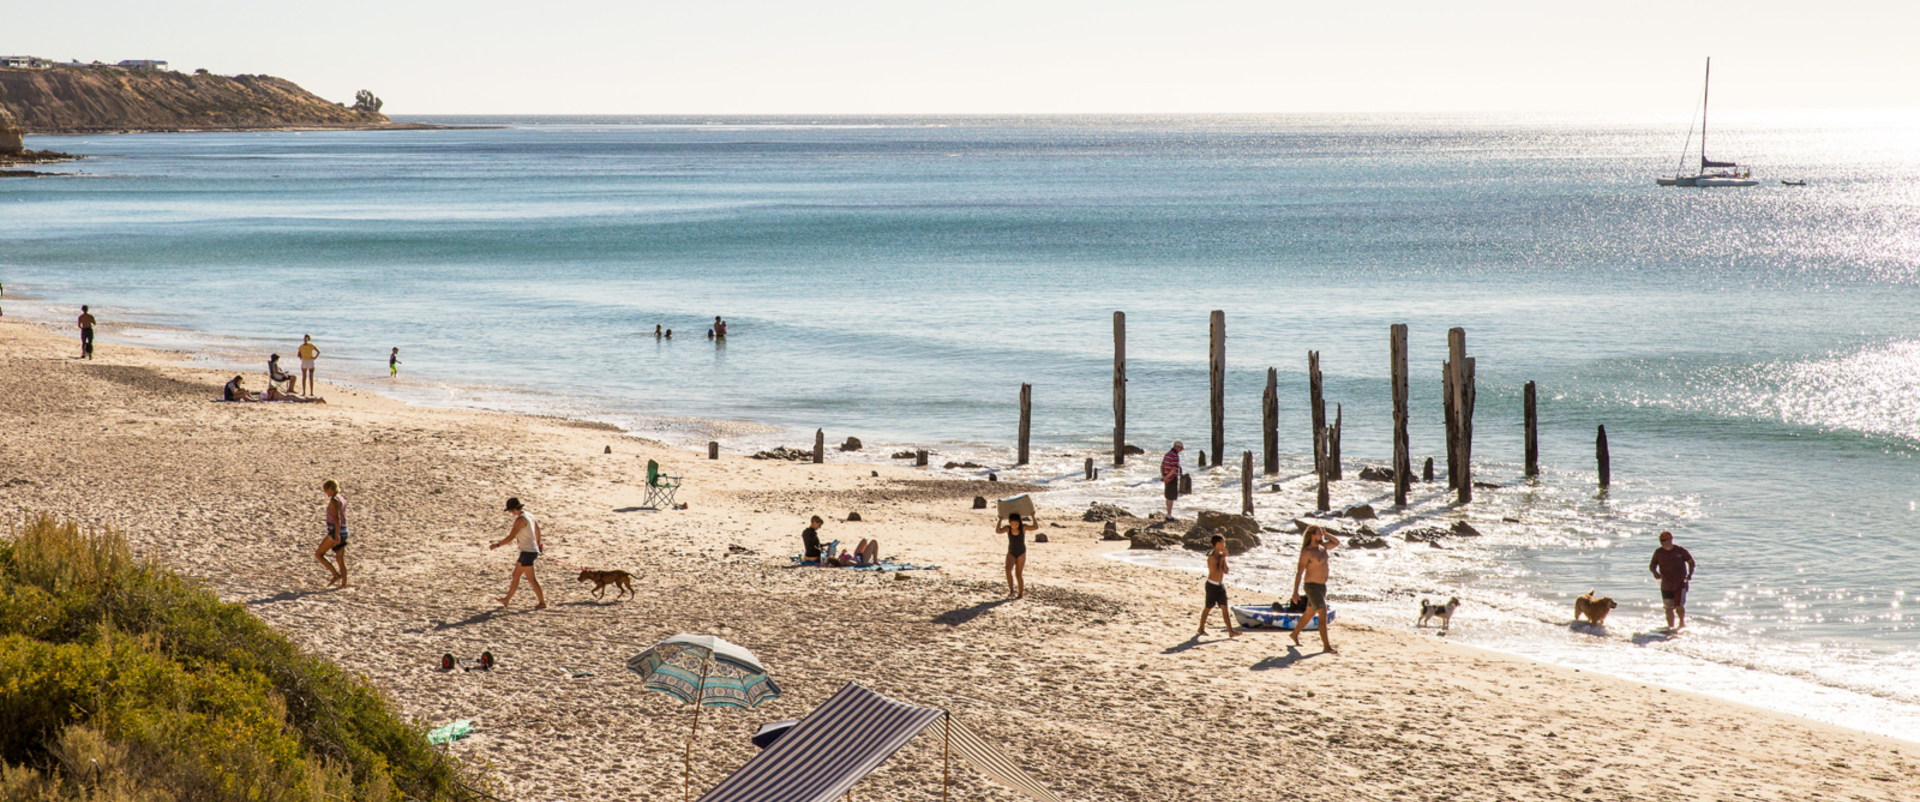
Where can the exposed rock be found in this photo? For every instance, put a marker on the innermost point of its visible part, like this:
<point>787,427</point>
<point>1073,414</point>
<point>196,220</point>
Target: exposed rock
<point>1040,538</point>
<point>993,477</point>
<point>979,502</point>
<point>10,141</point>
<point>1373,473</point>
<point>79,100</point>
<point>952,465</point>
<point>1463,529</point>
<point>1425,534</point>
<point>903,455</point>
<point>1365,541</point>
<point>853,517</point>
<point>1131,449</point>
<point>1103,512</point>
<point>1112,532</point>
<point>1152,539</point>
<point>1200,538</point>
<point>852,444</point>
<point>785,453</point>
<point>1360,512</point>
<point>1509,519</point>
<point>1242,532</point>
<point>1487,485</point>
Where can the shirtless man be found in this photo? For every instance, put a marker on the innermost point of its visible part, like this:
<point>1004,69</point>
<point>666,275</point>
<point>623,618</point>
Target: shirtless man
<point>307,353</point>
<point>1313,568</point>
<point>1216,587</point>
<point>86,333</point>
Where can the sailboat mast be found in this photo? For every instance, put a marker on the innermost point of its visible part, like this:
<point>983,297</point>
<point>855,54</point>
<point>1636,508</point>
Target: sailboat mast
<point>1706,86</point>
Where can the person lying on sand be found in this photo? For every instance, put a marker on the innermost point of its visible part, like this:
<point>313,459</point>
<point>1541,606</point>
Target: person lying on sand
<point>867,553</point>
<point>273,394</point>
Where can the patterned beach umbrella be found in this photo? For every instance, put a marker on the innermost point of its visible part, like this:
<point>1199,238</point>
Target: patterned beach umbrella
<point>707,672</point>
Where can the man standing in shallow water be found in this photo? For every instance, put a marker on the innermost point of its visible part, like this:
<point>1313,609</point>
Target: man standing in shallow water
<point>1170,474</point>
<point>1674,568</point>
<point>1313,568</point>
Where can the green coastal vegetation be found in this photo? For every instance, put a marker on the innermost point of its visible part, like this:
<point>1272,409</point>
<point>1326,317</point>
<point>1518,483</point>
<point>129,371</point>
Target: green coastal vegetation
<point>122,680</point>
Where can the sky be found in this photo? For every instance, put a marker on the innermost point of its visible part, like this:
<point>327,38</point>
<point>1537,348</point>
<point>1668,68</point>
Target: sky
<point>1029,56</point>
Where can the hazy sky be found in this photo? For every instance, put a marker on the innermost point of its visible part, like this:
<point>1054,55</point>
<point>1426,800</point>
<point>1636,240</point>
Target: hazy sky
<point>902,56</point>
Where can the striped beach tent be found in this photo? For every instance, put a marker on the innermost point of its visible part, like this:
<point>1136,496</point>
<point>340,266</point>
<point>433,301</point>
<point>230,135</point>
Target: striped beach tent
<point>845,739</point>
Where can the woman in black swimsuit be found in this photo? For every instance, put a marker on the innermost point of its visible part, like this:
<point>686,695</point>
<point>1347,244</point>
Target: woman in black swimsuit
<point>1016,532</point>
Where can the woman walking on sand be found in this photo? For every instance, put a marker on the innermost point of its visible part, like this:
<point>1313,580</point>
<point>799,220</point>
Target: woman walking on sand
<point>1016,532</point>
<point>336,539</point>
<point>528,534</point>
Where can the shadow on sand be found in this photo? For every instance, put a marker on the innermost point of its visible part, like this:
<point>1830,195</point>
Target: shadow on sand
<point>963,615</point>
<point>1293,655</point>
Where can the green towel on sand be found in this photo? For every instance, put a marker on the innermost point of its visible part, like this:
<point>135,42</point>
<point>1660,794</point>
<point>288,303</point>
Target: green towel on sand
<point>451,732</point>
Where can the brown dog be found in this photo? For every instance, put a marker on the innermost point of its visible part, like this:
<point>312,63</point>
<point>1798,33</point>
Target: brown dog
<point>601,579</point>
<point>1593,609</point>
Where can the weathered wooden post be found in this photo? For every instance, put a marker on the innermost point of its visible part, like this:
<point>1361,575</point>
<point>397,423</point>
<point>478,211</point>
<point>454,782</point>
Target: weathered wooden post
<point>1270,422</point>
<point>920,458</point>
<point>819,446</point>
<point>1450,417</point>
<point>1402,446</point>
<point>1460,376</point>
<point>1026,420</point>
<point>1426,475</point>
<point>1533,433</point>
<point>1320,432</point>
<point>1119,388</point>
<point>1606,460</point>
<point>1217,371</point>
<point>1090,470</point>
<point>1246,483</point>
<point>1333,446</point>
<point>713,449</point>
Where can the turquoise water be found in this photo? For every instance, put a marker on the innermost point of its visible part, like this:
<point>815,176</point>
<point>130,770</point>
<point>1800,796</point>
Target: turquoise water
<point>1753,353</point>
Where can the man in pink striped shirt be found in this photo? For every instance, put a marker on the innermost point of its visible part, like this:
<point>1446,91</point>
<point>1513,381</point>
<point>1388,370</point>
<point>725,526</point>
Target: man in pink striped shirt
<point>1170,474</point>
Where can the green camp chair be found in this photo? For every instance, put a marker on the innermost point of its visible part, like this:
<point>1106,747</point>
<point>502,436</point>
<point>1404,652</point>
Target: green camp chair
<point>660,487</point>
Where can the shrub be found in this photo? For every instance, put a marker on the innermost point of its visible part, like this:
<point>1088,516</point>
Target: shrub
<point>121,680</point>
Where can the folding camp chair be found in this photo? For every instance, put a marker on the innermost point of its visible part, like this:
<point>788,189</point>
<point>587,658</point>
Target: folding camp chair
<point>660,487</point>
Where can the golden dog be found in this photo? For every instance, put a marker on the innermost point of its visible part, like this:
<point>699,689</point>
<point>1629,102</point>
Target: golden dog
<point>1593,609</point>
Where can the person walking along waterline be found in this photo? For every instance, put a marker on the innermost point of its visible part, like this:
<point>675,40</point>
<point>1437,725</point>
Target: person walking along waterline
<point>393,364</point>
<point>86,332</point>
<point>527,533</point>
<point>336,539</point>
<point>1170,474</point>
<point>1016,532</point>
<point>1216,587</point>
<point>308,352</point>
<point>1673,566</point>
<point>1313,569</point>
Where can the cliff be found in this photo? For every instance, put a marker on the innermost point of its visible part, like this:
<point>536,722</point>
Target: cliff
<point>65,100</point>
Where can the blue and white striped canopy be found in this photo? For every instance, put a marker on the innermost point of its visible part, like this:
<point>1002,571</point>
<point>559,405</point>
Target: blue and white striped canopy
<point>705,670</point>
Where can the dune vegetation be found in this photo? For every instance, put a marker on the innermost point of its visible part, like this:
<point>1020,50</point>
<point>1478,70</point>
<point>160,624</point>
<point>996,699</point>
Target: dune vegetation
<point>122,680</point>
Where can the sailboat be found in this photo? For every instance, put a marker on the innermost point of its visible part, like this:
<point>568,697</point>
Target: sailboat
<point>1712,173</point>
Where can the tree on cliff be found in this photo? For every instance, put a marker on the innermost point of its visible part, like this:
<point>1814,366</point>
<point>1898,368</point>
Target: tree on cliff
<point>364,100</point>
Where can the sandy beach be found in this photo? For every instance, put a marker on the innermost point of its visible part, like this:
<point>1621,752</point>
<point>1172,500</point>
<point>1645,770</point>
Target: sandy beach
<point>1094,682</point>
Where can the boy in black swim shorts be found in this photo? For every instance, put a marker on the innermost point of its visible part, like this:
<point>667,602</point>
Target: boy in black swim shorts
<point>1217,587</point>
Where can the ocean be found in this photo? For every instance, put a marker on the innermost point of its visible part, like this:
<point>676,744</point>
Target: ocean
<point>1753,353</point>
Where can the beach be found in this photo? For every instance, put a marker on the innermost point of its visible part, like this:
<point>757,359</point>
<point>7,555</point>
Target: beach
<point>1094,683</point>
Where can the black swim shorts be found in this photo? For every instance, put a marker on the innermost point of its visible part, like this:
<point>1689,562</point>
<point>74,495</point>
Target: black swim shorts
<point>526,558</point>
<point>1173,489</point>
<point>1216,595</point>
<point>339,536</point>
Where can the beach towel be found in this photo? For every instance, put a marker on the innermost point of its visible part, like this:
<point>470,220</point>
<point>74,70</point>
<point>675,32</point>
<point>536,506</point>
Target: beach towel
<point>884,566</point>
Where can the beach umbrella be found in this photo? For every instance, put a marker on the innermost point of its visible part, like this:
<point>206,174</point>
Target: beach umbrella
<point>704,671</point>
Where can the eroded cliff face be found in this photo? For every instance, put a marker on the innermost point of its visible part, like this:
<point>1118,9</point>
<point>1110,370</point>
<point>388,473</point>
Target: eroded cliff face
<point>9,134</point>
<point>75,100</point>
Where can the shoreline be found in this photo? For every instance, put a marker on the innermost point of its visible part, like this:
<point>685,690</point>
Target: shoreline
<point>255,129</point>
<point>1093,683</point>
<point>1700,669</point>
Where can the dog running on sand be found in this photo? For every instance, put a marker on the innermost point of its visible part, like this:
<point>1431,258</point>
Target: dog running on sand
<point>1444,612</point>
<point>1593,609</point>
<point>601,579</point>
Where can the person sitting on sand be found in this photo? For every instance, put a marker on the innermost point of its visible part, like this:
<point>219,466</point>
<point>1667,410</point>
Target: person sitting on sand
<point>277,376</point>
<point>236,390</point>
<point>810,542</point>
<point>527,533</point>
<point>1016,532</point>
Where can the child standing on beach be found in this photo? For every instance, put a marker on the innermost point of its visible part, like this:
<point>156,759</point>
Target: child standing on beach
<point>336,539</point>
<point>1016,532</point>
<point>1217,587</point>
<point>393,364</point>
<point>527,533</point>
